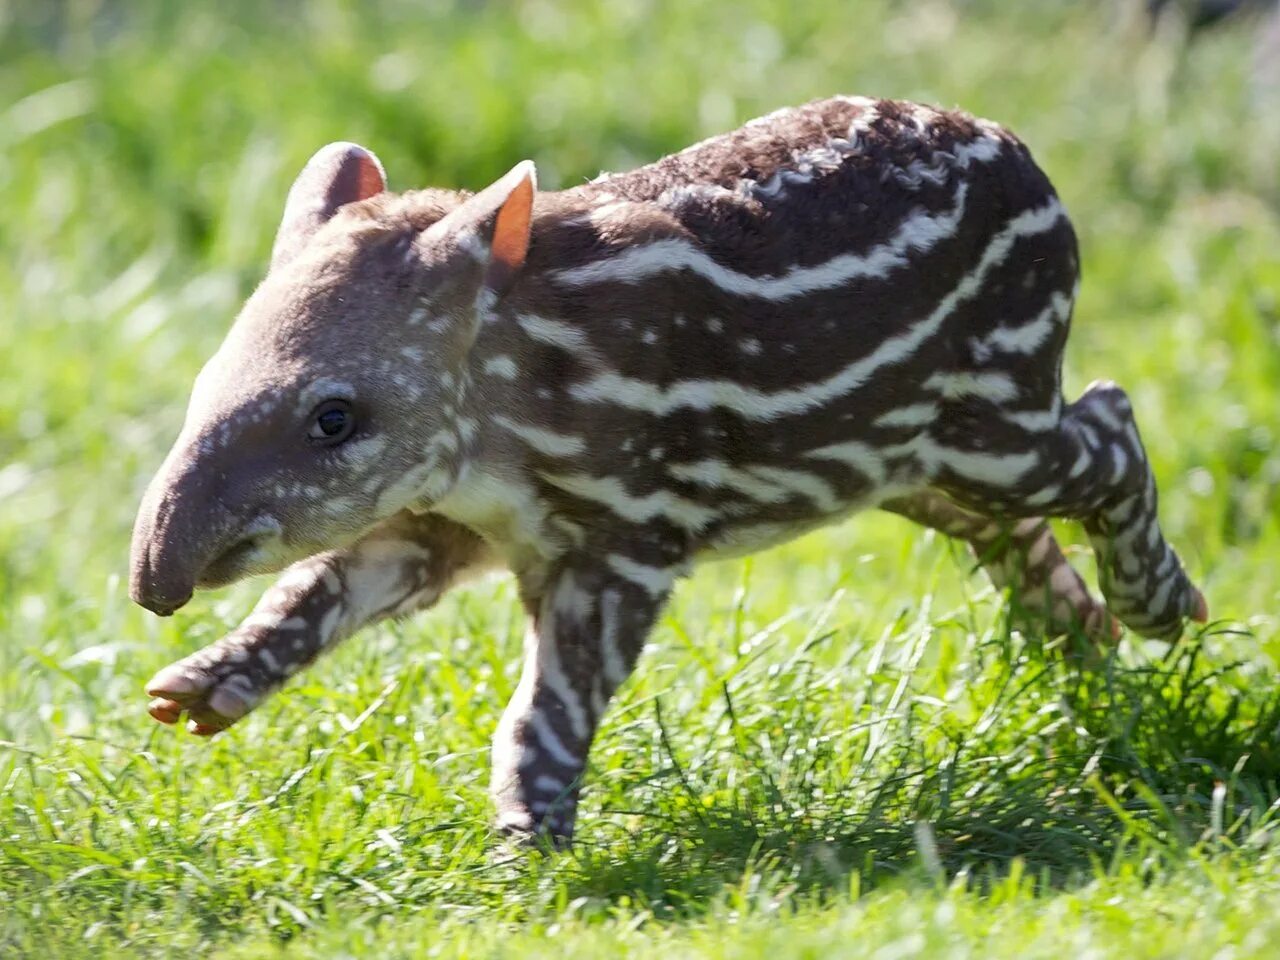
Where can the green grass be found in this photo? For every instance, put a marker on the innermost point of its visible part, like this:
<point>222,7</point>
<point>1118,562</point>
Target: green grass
<point>836,748</point>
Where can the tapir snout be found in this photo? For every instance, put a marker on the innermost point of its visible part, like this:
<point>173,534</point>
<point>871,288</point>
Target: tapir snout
<point>183,532</point>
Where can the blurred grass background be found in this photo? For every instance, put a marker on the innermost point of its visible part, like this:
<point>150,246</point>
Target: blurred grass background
<point>835,743</point>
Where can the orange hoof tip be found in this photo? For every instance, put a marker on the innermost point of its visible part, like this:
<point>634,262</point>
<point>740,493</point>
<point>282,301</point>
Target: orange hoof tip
<point>202,729</point>
<point>165,711</point>
<point>1199,608</point>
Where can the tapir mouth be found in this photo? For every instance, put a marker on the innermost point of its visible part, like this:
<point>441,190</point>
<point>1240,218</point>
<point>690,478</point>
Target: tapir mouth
<point>229,565</point>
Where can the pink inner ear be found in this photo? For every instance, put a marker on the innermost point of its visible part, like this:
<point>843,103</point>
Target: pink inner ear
<point>511,231</point>
<point>338,174</point>
<point>368,177</point>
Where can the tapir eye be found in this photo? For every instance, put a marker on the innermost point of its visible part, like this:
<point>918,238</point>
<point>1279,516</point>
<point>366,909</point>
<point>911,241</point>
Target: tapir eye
<point>332,423</point>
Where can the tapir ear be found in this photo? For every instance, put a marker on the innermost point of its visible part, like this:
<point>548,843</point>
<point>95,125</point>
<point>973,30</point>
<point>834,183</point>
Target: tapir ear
<point>339,173</point>
<point>495,224</point>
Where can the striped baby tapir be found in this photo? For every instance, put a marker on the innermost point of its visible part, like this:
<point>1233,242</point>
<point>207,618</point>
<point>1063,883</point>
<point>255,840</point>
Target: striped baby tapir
<point>854,303</point>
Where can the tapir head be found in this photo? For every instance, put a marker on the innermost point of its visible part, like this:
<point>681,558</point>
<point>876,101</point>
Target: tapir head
<point>335,400</point>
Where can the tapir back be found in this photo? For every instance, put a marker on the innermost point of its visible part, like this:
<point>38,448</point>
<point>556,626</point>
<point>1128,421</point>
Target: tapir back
<point>767,326</point>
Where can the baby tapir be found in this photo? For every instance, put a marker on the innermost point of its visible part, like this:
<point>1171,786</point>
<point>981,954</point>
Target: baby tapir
<point>854,303</point>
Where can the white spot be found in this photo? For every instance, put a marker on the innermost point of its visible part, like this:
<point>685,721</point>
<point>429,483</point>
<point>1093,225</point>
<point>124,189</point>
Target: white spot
<point>501,366</point>
<point>363,453</point>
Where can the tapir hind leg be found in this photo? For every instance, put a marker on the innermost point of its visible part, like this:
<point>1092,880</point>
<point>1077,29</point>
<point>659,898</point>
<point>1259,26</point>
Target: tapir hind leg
<point>1022,555</point>
<point>403,565</point>
<point>1090,465</point>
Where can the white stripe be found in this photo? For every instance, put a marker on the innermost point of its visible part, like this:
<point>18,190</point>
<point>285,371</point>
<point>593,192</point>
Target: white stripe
<point>1065,583</point>
<point>998,470</point>
<point>268,619</point>
<point>547,784</point>
<point>550,742</point>
<point>544,441</point>
<point>1030,336</point>
<point>615,668</point>
<point>555,333</point>
<point>861,456</point>
<point>722,475</point>
<point>549,669</point>
<point>996,387</point>
<point>912,415</point>
<point>762,483</point>
<point>1120,462</point>
<point>759,405</point>
<point>1035,421</point>
<point>1083,462</point>
<point>656,581</point>
<point>1156,603</point>
<point>302,575</point>
<point>918,233</point>
<point>825,157</point>
<point>611,492</point>
<point>1040,549</point>
<point>1043,496</point>
<point>799,481</point>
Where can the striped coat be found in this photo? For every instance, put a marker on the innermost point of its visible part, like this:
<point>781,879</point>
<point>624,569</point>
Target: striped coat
<point>855,303</point>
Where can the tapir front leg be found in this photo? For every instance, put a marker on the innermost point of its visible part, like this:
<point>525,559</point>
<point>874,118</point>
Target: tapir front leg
<point>403,565</point>
<point>588,622</point>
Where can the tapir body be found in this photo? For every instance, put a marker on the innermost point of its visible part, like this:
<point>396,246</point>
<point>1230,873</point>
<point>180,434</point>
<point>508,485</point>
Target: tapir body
<point>855,303</point>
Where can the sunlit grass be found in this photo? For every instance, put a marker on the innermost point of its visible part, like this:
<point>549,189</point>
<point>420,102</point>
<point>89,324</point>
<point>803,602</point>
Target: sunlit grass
<point>837,747</point>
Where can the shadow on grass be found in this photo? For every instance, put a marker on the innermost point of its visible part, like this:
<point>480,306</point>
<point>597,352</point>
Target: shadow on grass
<point>1065,775</point>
